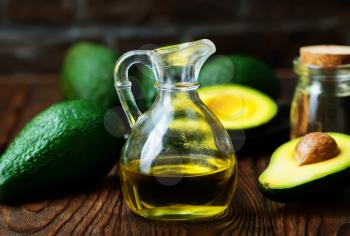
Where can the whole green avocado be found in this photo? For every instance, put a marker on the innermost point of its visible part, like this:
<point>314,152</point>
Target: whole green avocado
<point>87,73</point>
<point>65,145</point>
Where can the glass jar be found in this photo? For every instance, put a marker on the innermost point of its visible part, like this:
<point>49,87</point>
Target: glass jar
<point>321,100</point>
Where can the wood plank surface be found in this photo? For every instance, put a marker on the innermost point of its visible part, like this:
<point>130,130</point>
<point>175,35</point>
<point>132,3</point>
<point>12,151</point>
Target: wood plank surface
<point>101,211</point>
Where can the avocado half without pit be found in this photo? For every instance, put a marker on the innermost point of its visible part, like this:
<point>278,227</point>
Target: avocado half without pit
<point>237,106</point>
<point>316,164</point>
<point>248,115</point>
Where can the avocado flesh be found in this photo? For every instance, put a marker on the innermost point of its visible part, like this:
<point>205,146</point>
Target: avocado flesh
<point>286,180</point>
<point>237,106</point>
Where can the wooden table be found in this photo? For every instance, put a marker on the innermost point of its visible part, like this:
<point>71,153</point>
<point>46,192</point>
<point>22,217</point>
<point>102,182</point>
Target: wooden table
<point>103,212</point>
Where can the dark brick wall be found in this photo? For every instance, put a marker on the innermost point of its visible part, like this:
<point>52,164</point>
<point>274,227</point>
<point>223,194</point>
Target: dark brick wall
<point>34,34</point>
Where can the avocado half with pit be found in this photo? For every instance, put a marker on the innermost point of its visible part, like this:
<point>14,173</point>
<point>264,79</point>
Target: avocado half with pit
<point>285,180</point>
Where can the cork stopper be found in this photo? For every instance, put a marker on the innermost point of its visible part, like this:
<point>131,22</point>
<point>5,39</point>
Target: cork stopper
<point>327,56</point>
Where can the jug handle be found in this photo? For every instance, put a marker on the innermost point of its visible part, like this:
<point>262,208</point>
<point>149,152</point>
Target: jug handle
<point>123,84</point>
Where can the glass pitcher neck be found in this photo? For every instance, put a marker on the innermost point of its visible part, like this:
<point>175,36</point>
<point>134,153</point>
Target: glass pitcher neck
<point>177,77</point>
<point>180,95</point>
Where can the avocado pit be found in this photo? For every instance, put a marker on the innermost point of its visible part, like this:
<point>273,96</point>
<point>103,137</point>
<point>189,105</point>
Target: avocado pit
<point>315,147</point>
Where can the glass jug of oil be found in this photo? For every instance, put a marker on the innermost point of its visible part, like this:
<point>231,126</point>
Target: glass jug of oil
<point>178,162</point>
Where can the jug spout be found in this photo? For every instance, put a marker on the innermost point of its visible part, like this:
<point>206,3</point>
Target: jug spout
<point>180,64</point>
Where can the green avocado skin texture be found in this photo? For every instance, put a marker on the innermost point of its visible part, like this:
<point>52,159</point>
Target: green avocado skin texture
<point>87,73</point>
<point>64,146</point>
<point>326,187</point>
<point>240,69</point>
<point>148,91</point>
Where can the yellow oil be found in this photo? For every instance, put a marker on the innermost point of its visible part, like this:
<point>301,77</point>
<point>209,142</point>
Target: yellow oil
<point>179,187</point>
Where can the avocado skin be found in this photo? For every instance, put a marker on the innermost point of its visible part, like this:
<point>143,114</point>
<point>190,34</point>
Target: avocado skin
<point>326,187</point>
<point>63,147</point>
<point>87,73</point>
